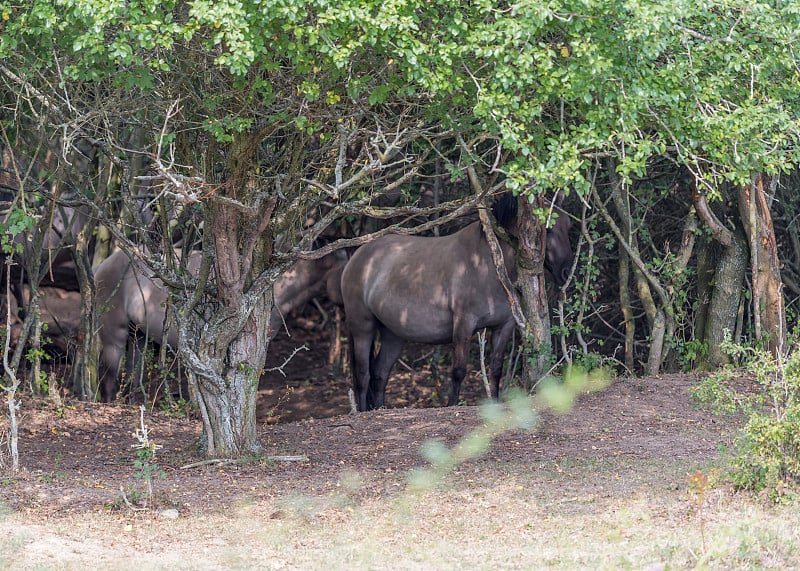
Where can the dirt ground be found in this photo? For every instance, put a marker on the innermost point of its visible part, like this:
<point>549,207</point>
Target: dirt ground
<point>78,460</point>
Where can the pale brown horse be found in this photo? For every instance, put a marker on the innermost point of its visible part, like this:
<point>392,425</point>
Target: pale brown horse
<point>130,300</point>
<point>434,290</point>
<point>59,314</point>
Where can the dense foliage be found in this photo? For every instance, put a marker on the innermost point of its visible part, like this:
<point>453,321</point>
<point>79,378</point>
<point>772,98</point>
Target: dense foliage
<point>766,457</point>
<point>713,85</point>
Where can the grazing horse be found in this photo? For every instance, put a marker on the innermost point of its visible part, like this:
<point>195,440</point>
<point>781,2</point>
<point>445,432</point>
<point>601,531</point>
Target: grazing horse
<point>56,266</point>
<point>59,314</point>
<point>130,297</point>
<point>434,290</point>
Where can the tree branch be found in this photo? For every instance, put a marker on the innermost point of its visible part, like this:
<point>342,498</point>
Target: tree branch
<point>718,230</point>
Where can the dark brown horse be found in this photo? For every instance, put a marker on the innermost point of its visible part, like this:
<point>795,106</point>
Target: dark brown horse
<point>434,290</point>
<point>131,300</point>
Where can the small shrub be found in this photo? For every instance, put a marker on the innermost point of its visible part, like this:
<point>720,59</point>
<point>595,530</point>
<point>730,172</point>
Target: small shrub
<point>766,457</point>
<point>147,469</point>
<point>180,408</point>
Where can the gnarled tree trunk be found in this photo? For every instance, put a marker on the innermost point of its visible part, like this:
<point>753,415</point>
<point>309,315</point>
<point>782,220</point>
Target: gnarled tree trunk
<point>226,385</point>
<point>726,297</point>
<point>533,295</point>
<point>223,337</point>
<point>224,343</point>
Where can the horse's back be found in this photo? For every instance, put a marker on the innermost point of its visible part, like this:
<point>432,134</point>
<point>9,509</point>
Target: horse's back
<point>108,277</point>
<point>416,285</point>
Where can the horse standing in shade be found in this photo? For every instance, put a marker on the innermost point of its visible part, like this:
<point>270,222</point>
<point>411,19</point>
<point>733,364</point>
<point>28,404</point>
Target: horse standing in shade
<point>435,290</point>
<point>130,299</point>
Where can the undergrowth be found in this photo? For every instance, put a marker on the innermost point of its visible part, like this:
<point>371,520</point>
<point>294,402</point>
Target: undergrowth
<point>766,456</point>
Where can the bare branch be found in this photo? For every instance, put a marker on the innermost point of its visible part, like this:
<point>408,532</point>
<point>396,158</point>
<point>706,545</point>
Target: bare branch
<point>280,368</point>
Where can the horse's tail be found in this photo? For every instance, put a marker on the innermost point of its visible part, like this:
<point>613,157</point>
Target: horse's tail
<point>504,209</point>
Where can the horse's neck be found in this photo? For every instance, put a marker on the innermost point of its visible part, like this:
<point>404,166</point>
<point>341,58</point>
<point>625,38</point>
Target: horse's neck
<point>474,233</point>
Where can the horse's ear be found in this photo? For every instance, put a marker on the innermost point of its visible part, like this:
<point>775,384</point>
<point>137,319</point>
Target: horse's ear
<point>558,198</point>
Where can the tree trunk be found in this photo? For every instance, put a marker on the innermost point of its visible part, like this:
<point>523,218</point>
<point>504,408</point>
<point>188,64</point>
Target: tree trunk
<point>726,297</point>
<point>705,279</point>
<point>223,337</point>
<point>85,366</point>
<point>336,356</point>
<point>659,332</point>
<point>660,318</point>
<point>225,350</point>
<point>85,369</point>
<point>533,295</point>
<point>625,306</point>
<point>728,279</point>
<point>769,315</point>
<point>226,392</point>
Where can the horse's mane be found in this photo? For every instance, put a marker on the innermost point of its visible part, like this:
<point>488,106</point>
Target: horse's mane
<point>504,210</point>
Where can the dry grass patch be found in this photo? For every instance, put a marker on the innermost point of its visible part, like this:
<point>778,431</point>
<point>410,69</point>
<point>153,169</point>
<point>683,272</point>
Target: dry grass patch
<point>588,517</point>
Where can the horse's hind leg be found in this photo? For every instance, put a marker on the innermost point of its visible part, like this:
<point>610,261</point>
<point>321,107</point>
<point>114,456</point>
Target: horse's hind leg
<point>391,345</point>
<point>457,375</point>
<point>460,352</point>
<point>135,366</point>
<point>113,333</point>
<point>500,338</point>
<point>361,355</point>
<point>462,332</point>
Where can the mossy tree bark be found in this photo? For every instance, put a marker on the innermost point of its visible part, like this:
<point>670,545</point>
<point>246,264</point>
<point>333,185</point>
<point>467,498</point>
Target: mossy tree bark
<point>224,336</point>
